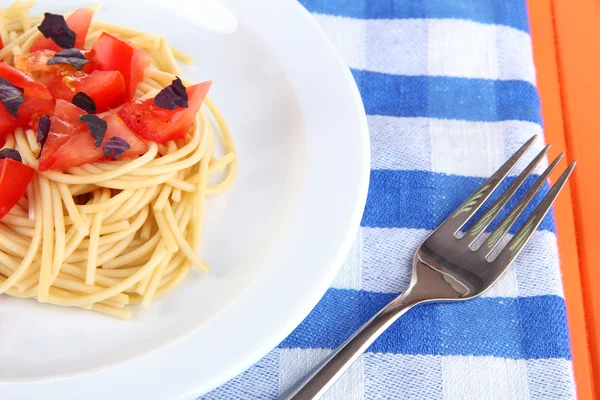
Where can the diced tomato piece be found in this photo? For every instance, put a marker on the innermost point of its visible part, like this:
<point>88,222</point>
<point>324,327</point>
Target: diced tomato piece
<point>32,109</point>
<point>116,127</point>
<point>79,22</point>
<point>31,87</point>
<point>106,88</point>
<point>63,126</point>
<point>160,125</point>
<point>115,54</point>
<point>7,126</point>
<point>75,152</point>
<point>28,113</point>
<point>61,87</point>
<point>70,143</point>
<point>1,44</point>
<point>14,179</point>
<point>80,150</point>
<point>38,101</point>
<point>37,61</point>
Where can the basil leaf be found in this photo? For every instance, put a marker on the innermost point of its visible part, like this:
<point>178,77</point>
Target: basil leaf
<point>84,102</point>
<point>72,57</point>
<point>97,127</point>
<point>172,96</point>
<point>43,128</point>
<point>55,27</point>
<point>11,97</point>
<point>12,154</point>
<point>115,147</point>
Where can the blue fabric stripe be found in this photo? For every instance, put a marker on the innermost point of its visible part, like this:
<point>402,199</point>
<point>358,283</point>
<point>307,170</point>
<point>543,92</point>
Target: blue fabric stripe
<point>423,200</point>
<point>511,13</point>
<point>447,97</point>
<point>518,328</point>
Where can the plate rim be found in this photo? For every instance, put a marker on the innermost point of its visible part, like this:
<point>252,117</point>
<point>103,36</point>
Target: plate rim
<point>344,248</point>
<point>316,293</point>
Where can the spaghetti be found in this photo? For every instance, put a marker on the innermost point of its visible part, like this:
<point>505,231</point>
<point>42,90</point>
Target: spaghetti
<point>107,235</point>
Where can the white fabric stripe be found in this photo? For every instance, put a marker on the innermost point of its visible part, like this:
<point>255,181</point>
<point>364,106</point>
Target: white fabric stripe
<point>457,48</point>
<point>388,254</point>
<point>462,48</point>
<point>507,285</point>
<point>515,58</point>
<point>550,379</point>
<point>467,148</point>
<point>294,363</point>
<point>387,257</point>
<point>537,267</point>
<point>489,378</point>
<point>413,149</point>
<point>349,275</point>
<point>402,376</point>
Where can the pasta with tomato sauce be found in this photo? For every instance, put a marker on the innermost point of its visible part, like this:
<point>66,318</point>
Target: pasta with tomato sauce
<point>106,159</point>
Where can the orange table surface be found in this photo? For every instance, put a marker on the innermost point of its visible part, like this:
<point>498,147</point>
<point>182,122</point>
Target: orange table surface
<point>566,46</point>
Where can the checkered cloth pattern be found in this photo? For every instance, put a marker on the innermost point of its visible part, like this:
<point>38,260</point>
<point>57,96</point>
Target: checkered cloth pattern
<point>449,91</point>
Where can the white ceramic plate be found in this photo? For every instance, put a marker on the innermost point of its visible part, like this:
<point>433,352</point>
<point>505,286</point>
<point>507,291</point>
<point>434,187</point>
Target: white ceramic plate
<point>275,241</point>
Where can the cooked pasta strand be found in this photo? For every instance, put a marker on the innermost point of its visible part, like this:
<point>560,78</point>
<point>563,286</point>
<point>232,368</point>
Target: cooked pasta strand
<point>111,234</point>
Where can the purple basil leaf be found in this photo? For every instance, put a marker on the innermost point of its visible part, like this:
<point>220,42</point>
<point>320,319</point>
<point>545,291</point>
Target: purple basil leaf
<point>72,57</point>
<point>43,128</point>
<point>115,147</point>
<point>11,97</point>
<point>84,102</point>
<point>10,153</point>
<point>97,127</point>
<point>42,132</point>
<point>172,96</point>
<point>55,27</point>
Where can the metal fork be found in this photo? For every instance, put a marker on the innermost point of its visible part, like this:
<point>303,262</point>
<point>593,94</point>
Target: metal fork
<point>446,267</point>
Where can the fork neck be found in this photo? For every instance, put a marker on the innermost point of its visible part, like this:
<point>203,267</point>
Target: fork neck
<point>430,284</point>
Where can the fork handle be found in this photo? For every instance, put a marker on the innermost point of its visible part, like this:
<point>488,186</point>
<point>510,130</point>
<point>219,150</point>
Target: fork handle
<point>319,380</point>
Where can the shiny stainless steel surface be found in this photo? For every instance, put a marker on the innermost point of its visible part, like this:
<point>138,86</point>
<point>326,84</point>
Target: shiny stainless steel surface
<point>449,268</point>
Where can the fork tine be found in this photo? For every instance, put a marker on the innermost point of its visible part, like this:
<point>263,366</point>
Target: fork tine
<point>515,245</point>
<point>494,239</point>
<point>479,227</point>
<point>474,202</point>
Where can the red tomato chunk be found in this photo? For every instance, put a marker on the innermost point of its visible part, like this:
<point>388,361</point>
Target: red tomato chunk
<point>160,125</point>
<point>14,180</point>
<point>70,143</point>
<point>79,22</point>
<point>38,101</point>
<point>114,54</point>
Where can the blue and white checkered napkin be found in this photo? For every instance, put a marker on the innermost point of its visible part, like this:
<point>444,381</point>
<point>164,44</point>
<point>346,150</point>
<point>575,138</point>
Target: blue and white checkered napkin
<point>449,89</point>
